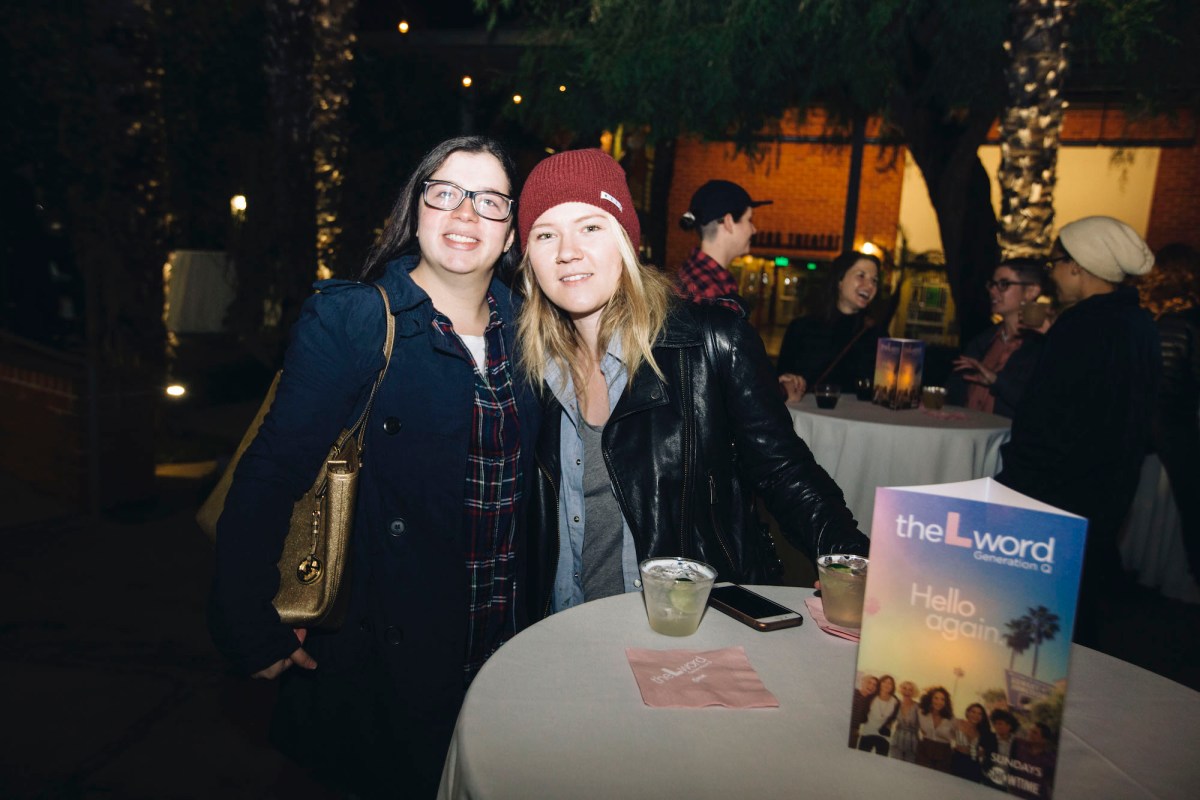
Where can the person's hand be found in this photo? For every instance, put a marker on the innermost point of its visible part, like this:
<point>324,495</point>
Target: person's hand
<point>974,371</point>
<point>1043,329</point>
<point>299,657</point>
<point>792,386</point>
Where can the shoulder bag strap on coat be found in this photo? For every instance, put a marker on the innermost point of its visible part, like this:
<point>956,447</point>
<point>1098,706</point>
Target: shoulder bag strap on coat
<point>866,326</point>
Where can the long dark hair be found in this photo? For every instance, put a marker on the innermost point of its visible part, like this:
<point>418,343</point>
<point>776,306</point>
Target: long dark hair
<point>399,235</point>
<point>838,269</point>
<point>947,711</point>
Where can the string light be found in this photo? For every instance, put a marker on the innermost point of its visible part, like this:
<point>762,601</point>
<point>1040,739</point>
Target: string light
<point>517,99</point>
<point>466,81</point>
<point>403,26</point>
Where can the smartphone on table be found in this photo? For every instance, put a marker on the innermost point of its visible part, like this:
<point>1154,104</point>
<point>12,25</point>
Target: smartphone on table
<point>751,608</point>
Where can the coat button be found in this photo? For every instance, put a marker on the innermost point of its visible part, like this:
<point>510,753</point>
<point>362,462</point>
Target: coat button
<point>654,395</point>
<point>391,426</point>
<point>393,635</point>
<point>397,526</point>
<point>365,625</point>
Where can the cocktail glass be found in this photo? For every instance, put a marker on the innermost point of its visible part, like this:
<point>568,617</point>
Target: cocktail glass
<point>676,591</point>
<point>843,588</point>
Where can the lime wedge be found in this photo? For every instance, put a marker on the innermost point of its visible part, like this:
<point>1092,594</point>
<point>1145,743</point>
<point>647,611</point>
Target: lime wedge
<point>684,596</point>
<point>839,567</point>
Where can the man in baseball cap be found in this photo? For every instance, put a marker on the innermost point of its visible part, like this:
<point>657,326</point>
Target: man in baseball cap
<point>722,213</point>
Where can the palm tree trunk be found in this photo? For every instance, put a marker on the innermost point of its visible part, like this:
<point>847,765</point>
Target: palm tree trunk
<point>117,201</point>
<point>1031,124</point>
<point>333,79</point>
<point>292,260</point>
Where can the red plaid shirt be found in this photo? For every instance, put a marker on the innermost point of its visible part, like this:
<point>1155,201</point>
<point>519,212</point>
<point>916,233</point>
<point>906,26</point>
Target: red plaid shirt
<point>493,491</point>
<point>702,279</point>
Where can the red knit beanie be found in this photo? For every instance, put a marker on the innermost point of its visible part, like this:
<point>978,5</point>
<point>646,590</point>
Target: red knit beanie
<point>578,176</point>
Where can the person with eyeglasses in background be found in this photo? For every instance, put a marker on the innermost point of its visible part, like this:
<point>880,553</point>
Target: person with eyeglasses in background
<point>995,366</point>
<point>371,706</point>
<point>1081,431</point>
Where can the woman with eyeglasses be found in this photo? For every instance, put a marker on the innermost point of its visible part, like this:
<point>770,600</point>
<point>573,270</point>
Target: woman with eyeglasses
<point>994,368</point>
<point>432,586</point>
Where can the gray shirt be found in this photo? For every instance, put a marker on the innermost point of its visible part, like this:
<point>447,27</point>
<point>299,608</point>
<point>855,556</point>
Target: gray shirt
<point>601,574</point>
<point>572,516</point>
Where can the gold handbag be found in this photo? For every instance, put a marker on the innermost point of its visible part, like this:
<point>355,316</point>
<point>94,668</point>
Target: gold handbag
<point>314,562</point>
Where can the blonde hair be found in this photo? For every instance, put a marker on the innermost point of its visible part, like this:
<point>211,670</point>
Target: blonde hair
<point>634,316</point>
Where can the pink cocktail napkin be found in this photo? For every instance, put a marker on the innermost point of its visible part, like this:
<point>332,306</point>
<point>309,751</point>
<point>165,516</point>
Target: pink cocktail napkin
<point>698,678</point>
<point>817,611</point>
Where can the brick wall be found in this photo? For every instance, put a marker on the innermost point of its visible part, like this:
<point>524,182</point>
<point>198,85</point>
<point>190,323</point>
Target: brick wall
<point>806,181</point>
<point>1175,212</point>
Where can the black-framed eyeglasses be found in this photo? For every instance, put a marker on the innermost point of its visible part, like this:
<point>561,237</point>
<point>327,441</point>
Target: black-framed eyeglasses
<point>447,196</point>
<point>1003,284</point>
<point>1054,262</point>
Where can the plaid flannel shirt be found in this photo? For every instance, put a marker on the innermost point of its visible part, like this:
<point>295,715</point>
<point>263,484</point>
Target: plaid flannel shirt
<point>702,279</point>
<point>493,491</point>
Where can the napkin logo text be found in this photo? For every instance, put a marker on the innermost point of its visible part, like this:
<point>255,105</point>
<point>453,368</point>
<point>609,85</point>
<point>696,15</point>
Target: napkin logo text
<point>1004,549</point>
<point>699,662</point>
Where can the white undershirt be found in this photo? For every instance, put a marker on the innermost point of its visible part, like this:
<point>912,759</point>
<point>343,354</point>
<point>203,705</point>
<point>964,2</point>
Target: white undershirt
<point>478,347</point>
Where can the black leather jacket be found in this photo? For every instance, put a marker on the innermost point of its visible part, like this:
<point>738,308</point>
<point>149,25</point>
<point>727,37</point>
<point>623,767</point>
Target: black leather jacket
<point>679,452</point>
<point>1179,395</point>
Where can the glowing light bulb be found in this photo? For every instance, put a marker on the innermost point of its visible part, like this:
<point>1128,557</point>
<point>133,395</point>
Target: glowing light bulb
<point>466,81</point>
<point>517,99</point>
<point>403,26</point>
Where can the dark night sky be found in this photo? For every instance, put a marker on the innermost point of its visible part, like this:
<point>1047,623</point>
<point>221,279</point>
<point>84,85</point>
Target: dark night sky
<point>377,15</point>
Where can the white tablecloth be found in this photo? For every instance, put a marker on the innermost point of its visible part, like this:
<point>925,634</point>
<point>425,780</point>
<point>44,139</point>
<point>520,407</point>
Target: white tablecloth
<point>865,446</point>
<point>556,713</point>
<point>1152,544</point>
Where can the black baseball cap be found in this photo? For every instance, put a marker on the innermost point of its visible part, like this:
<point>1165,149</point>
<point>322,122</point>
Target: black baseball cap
<point>715,199</point>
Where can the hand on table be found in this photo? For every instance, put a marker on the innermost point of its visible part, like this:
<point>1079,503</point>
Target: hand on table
<point>299,657</point>
<point>792,386</point>
<point>974,371</point>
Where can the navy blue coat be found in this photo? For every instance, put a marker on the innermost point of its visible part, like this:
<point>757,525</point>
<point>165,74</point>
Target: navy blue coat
<point>409,584</point>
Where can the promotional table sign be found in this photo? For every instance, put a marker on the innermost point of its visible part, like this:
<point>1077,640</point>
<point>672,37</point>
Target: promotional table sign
<point>898,367</point>
<point>970,605</point>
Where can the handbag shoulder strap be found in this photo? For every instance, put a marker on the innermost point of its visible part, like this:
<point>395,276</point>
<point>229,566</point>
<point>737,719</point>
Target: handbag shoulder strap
<point>360,427</point>
<point>866,326</point>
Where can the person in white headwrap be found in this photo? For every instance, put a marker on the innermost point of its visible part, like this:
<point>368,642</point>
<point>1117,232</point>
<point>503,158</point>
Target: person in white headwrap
<point>1081,431</point>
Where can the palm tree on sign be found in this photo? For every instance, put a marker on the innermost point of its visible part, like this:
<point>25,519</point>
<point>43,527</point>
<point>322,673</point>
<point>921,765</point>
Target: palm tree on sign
<point>1019,637</point>
<point>1044,626</point>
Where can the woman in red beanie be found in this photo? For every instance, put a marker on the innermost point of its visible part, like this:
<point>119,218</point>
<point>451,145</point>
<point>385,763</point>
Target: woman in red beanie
<point>662,417</point>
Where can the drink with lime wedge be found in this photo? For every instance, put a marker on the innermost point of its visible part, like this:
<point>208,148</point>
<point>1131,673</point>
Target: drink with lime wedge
<point>675,591</point>
<point>843,588</point>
